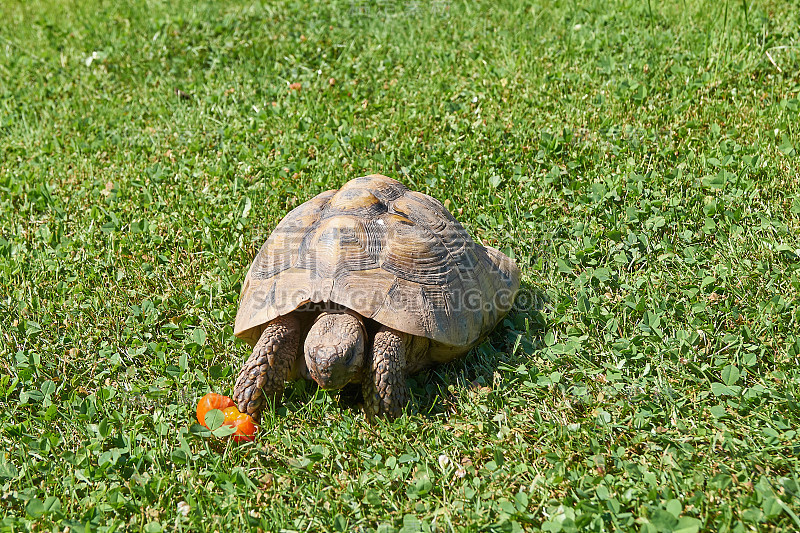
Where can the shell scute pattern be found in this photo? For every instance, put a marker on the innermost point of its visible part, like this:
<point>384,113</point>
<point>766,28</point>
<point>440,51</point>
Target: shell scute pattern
<point>390,254</point>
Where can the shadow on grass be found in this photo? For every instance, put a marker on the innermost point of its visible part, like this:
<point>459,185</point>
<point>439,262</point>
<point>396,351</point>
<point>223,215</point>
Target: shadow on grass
<point>513,342</point>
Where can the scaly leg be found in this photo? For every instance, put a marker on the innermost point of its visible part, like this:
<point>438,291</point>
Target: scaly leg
<point>384,383</point>
<point>263,375</point>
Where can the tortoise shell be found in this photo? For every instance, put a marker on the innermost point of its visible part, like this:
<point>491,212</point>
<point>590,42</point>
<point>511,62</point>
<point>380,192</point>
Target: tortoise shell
<point>392,255</point>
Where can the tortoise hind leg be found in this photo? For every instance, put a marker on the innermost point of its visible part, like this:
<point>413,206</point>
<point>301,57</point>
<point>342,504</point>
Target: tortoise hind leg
<point>384,385</point>
<point>263,375</point>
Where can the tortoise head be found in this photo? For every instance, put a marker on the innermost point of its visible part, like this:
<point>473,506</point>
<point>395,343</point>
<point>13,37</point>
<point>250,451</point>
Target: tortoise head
<point>334,349</point>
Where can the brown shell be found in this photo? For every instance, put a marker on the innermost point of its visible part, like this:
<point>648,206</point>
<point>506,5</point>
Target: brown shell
<point>388,253</point>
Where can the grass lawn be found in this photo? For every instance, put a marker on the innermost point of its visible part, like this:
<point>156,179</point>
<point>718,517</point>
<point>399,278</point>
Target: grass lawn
<point>639,160</point>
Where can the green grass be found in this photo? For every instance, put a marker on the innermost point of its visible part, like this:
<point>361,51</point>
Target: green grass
<point>638,159</point>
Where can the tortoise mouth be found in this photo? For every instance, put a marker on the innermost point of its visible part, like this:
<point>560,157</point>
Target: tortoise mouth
<point>331,369</point>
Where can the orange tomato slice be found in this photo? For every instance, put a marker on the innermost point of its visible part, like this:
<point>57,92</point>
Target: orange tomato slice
<point>211,401</point>
<point>244,424</point>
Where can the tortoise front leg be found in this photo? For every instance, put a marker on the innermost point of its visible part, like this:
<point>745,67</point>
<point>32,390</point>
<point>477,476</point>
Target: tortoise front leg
<point>384,384</point>
<point>263,375</point>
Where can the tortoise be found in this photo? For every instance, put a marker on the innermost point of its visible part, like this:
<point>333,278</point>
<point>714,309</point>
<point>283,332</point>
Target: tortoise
<point>366,284</point>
